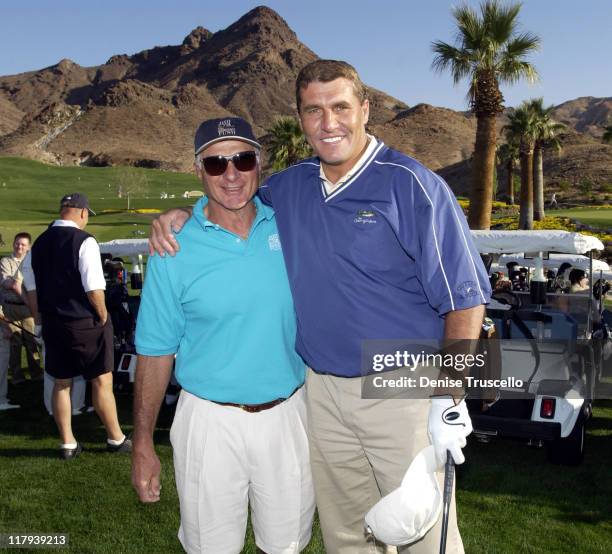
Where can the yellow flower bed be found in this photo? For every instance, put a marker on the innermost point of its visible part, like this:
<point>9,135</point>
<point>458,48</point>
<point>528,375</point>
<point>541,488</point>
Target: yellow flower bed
<point>136,211</point>
<point>560,223</point>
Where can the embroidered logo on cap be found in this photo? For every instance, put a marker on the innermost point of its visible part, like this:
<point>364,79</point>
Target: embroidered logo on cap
<point>225,128</point>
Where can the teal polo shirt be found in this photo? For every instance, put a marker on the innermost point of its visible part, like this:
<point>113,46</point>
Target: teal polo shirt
<point>224,307</point>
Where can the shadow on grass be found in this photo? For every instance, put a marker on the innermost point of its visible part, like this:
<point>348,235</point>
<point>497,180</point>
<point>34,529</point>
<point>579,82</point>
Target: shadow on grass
<point>29,453</point>
<point>33,422</point>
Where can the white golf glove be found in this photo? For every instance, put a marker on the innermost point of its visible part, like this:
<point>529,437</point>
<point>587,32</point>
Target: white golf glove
<point>448,427</point>
<point>38,334</point>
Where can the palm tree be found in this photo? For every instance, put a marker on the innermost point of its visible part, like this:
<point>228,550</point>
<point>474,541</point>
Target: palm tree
<point>288,144</point>
<point>546,136</point>
<point>607,136</point>
<point>508,154</point>
<point>522,128</point>
<point>488,51</point>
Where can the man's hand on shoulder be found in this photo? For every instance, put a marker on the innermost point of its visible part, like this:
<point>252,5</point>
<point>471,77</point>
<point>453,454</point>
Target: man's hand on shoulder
<point>161,239</point>
<point>146,469</point>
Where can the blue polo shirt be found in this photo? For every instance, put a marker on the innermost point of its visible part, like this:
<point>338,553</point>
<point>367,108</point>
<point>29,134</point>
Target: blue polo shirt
<point>384,256</point>
<point>224,307</point>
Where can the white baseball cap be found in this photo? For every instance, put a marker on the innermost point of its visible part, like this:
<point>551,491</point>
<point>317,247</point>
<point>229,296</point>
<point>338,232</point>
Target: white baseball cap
<point>406,514</point>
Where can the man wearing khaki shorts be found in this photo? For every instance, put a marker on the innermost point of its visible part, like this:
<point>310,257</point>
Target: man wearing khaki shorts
<point>17,311</point>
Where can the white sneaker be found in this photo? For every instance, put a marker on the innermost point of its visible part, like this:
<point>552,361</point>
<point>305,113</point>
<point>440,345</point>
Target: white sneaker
<point>8,406</point>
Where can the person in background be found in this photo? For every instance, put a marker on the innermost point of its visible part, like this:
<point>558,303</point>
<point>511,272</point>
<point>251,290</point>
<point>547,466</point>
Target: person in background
<point>16,310</point>
<point>5,348</point>
<point>579,281</point>
<point>67,298</point>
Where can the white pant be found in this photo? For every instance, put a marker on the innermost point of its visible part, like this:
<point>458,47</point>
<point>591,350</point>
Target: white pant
<point>226,458</point>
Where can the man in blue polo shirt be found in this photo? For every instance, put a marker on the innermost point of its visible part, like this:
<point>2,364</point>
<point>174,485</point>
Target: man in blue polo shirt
<point>223,307</point>
<point>376,247</point>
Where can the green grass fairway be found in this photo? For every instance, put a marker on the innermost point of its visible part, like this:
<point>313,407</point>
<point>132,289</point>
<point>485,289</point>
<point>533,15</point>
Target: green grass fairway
<point>510,499</point>
<point>30,193</point>
<point>597,217</point>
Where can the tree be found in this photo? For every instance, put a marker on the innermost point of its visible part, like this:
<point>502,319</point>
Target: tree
<point>132,181</point>
<point>607,136</point>
<point>522,128</point>
<point>489,51</point>
<point>508,154</point>
<point>288,144</point>
<point>546,137</point>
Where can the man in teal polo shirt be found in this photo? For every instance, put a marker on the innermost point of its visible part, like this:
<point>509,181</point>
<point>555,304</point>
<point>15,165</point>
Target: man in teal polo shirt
<point>223,307</point>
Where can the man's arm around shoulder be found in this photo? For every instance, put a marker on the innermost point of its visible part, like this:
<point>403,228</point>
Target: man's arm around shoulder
<point>152,378</point>
<point>163,228</point>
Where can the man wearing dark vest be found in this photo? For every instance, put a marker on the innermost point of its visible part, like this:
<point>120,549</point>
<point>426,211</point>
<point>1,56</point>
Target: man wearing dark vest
<point>76,329</point>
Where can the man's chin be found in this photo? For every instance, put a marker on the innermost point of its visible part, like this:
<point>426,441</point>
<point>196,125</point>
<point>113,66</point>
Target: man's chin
<point>332,161</point>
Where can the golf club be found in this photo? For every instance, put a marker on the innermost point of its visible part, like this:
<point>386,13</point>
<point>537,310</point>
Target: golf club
<point>14,323</point>
<point>449,475</point>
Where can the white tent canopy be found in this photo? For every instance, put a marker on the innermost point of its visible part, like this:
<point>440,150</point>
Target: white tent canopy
<point>512,242</point>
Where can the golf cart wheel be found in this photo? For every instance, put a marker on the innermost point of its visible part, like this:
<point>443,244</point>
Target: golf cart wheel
<point>569,451</point>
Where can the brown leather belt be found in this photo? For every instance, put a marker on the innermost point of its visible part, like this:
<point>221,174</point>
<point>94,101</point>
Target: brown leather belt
<point>254,408</point>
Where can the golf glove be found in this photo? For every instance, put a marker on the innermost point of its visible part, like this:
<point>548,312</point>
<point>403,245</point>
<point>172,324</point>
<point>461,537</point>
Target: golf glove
<point>448,427</point>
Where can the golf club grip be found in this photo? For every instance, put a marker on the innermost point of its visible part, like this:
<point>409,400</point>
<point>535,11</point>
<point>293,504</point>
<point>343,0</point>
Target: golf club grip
<point>449,475</point>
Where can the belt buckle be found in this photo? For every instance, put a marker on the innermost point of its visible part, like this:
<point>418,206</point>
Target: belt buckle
<point>248,408</point>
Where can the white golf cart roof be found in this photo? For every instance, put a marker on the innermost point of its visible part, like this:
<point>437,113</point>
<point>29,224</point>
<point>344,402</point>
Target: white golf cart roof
<point>555,260</point>
<point>125,247</point>
<point>513,242</point>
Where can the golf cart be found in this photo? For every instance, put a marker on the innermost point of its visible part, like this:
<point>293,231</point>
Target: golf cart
<point>545,346</point>
<point>123,308</point>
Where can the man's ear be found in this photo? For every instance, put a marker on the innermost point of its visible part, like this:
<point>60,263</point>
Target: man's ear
<point>366,110</point>
<point>197,167</point>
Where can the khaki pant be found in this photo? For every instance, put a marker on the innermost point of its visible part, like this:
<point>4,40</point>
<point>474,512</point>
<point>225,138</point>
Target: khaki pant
<point>20,314</point>
<point>360,450</point>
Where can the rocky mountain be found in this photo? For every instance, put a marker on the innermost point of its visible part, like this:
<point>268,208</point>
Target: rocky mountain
<point>586,115</point>
<point>143,109</point>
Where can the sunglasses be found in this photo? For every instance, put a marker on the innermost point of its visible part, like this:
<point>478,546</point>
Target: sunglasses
<point>217,165</point>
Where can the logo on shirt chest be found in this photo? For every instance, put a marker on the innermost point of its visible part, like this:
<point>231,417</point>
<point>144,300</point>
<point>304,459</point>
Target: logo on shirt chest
<point>365,217</point>
<point>274,242</point>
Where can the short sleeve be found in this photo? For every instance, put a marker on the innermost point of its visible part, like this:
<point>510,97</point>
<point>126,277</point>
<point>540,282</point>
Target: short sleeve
<point>448,265</point>
<point>90,266</point>
<point>161,322</point>
<point>28,274</point>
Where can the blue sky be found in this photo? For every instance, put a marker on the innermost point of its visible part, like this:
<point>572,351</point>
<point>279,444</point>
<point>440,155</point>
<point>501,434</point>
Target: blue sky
<point>388,41</point>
